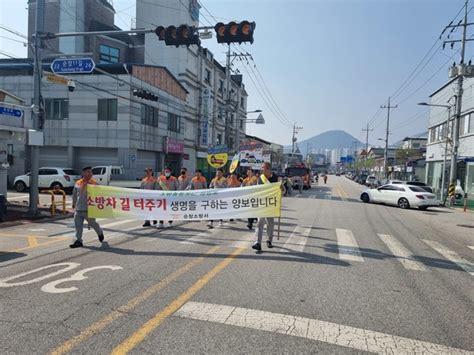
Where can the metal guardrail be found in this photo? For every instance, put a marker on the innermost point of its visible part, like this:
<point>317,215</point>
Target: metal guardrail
<point>54,202</point>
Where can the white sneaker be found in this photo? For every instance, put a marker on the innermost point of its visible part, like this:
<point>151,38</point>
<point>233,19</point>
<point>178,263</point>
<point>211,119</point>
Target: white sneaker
<point>160,226</point>
<point>170,224</point>
<point>221,224</point>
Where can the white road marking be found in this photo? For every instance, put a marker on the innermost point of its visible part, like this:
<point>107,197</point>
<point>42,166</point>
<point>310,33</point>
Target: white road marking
<point>36,230</point>
<point>18,198</point>
<point>113,224</point>
<point>297,240</point>
<point>313,329</point>
<point>68,266</point>
<point>451,256</point>
<point>197,238</point>
<point>471,247</point>
<point>347,245</point>
<point>51,287</point>
<point>401,253</point>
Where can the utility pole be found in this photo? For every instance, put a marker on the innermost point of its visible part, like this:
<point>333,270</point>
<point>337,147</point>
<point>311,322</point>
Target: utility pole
<point>366,130</point>
<point>37,111</point>
<point>294,139</point>
<point>385,155</point>
<point>227,111</point>
<point>454,155</point>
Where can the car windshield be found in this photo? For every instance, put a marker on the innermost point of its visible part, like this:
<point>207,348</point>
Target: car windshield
<point>70,172</point>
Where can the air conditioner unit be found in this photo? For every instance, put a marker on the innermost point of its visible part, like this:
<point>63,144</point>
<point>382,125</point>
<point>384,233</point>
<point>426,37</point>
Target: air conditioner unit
<point>469,71</point>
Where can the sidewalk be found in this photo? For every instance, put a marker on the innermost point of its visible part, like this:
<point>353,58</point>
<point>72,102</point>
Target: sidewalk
<point>17,215</point>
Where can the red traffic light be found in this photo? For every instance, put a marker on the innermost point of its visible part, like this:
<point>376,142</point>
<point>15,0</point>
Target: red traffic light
<point>235,32</point>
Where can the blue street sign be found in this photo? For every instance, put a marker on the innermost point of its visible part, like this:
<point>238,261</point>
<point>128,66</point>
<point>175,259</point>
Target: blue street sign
<point>73,65</point>
<point>7,111</point>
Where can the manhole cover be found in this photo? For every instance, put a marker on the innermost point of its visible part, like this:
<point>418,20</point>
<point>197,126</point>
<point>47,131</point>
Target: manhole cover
<point>465,226</point>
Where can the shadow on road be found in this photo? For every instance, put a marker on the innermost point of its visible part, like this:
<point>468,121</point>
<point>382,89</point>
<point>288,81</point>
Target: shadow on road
<point>7,256</point>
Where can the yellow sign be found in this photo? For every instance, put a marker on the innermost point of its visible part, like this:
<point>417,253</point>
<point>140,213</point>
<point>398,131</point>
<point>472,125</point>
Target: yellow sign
<point>234,164</point>
<point>217,160</point>
<point>56,79</point>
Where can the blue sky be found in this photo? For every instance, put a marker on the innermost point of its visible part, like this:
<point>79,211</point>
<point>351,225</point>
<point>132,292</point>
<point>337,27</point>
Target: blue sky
<point>328,64</point>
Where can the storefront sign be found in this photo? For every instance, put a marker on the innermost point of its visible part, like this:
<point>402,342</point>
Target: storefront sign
<point>217,160</point>
<point>246,202</point>
<point>173,146</point>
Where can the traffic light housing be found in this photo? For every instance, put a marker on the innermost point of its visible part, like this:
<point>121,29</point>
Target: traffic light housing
<point>234,32</point>
<point>145,95</point>
<point>182,35</point>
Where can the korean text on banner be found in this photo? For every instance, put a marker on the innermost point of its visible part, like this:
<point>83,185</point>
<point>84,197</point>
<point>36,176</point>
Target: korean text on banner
<point>246,202</point>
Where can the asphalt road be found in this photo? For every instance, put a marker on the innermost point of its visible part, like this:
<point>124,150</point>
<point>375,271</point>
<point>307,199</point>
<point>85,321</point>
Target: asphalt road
<point>344,277</point>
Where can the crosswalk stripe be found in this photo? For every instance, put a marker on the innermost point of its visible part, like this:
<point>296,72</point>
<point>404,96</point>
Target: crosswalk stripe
<point>401,253</point>
<point>347,246</point>
<point>196,238</point>
<point>451,256</point>
<point>297,240</point>
<point>471,247</point>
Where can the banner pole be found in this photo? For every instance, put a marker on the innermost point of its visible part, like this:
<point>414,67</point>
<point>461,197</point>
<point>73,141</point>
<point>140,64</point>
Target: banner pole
<point>279,217</point>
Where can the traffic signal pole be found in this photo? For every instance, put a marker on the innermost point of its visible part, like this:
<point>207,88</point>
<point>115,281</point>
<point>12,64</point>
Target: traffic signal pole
<point>37,68</point>
<point>227,111</point>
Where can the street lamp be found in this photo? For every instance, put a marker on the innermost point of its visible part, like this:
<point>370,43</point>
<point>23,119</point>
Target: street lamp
<point>255,111</point>
<point>443,179</point>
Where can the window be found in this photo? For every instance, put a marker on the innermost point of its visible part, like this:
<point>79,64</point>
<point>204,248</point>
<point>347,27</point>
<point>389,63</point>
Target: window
<point>242,102</point>
<point>107,110</point>
<point>174,122</point>
<point>221,86</point>
<point>416,145</point>
<point>70,172</point>
<point>231,142</point>
<point>47,172</point>
<point>109,54</point>
<point>219,138</point>
<point>97,171</point>
<point>231,119</point>
<point>207,76</point>
<point>241,124</point>
<point>416,189</point>
<point>56,109</point>
<point>149,116</point>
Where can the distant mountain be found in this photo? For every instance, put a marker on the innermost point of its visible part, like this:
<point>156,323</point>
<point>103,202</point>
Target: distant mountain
<point>328,140</point>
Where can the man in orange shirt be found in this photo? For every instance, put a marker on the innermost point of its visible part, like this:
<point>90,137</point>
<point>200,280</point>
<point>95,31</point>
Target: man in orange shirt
<point>184,181</point>
<point>148,183</point>
<point>167,182</point>
<point>250,180</point>
<point>232,181</point>
<point>198,182</point>
<point>79,203</point>
<point>219,182</point>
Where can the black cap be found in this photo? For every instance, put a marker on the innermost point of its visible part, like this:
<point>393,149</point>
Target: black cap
<point>87,168</point>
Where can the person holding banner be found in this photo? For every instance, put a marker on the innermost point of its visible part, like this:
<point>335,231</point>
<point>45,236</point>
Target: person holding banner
<point>198,182</point>
<point>148,183</point>
<point>250,180</point>
<point>184,181</point>
<point>167,182</point>
<point>232,181</point>
<point>79,203</point>
<point>219,182</point>
<point>266,177</point>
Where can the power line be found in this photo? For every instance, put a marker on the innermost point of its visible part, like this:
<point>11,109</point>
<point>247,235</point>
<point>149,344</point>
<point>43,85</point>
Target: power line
<point>16,33</point>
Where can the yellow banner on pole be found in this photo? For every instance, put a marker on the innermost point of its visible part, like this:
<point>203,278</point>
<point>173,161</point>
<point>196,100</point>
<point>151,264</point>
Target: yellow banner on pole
<point>245,202</point>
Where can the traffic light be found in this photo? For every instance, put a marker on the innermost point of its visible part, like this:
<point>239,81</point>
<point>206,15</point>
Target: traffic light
<point>235,32</point>
<point>145,95</point>
<point>183,35</point>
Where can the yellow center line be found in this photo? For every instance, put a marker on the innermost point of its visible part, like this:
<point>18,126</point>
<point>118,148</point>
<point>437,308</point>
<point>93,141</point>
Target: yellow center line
<point>129,306</point>
<point>32,241</point>
<point>137,337</point>
<point>35,246</point>
<point>343,192</point>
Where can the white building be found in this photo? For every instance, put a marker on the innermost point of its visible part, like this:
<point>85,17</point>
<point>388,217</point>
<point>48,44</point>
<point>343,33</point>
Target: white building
<point>439,131</point>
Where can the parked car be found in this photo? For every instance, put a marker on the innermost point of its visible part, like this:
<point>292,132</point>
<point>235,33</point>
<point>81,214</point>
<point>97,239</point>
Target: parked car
<point>361,179</point>
<point>403,196</point>
<point>370,181</point>
<point>49,177</point>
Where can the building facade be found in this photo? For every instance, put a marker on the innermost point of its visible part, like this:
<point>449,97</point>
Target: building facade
<point>102,122</point>
<point>440,135</point>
